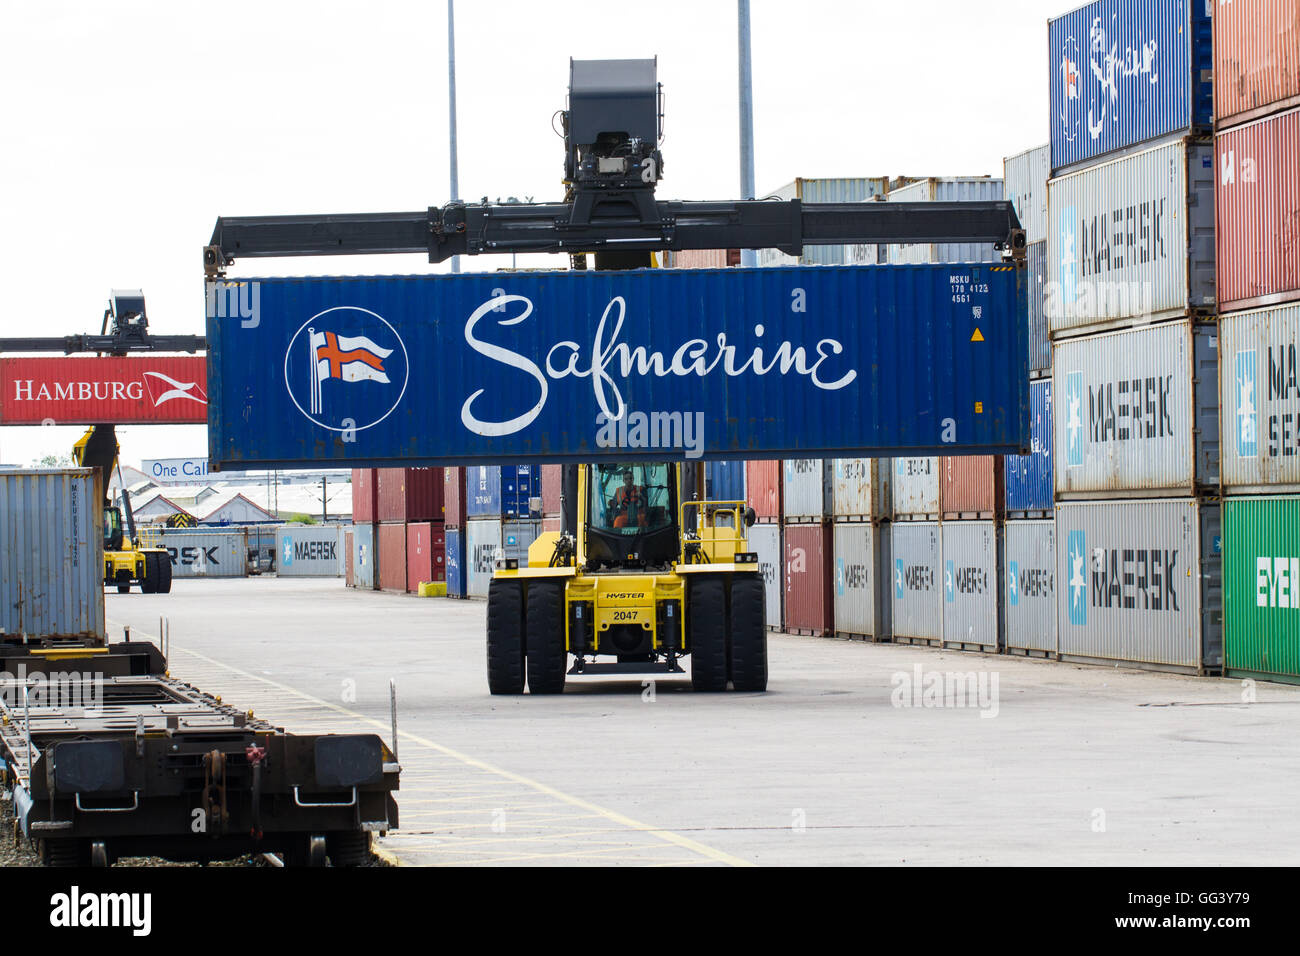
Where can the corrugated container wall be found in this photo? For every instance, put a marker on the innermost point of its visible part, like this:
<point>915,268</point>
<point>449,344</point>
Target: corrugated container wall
<point>1260,381</point>
<point>862,488</point>
<point>1030,593</point>
<point>364,495</point>
<point>765,540</point>
<point>724,480</point>
<point>349,559</point>
<point>946,189</point>
<point>1030,490</point>
<point>453,497</point>
<point>552,478</point>
<point>862,598</point>
<point>208,553</point>
<point>364,557</point>
<point>310,551</point>
<point>456,577</point>
<point>1261,587</point>
<point>915,488</point>
<point>971,486</point>
<point>1141,582</point>
<point>1024,182</point>
<point>501,491</point>
<point>806,488</point>
<point>809,607</point>
<point>1040,339</point>
<point>823,191</point>
<point>1138,411</point>
<point>918,601</point>
<point>763,489</point>
<point>972,568</point>
<point>392,557</point>
<point>698,259</point>
<point>1256,59</point>
<point>410,494</point>
<point>1132,239</point>
<point>1123,72</point>
<point>51,554</point>
<point>490,538</point>
<point>426,555</point>
<point>1258,210</point>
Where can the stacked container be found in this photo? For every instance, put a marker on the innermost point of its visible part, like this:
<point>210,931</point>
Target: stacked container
<point>365,519</point>
<point>1128,294</point>
<point>763,494</point>
<point>807,485</point>
<point>946,189</point>
<point>454,511</point>
<point>1257,157</point>
<point>498,507</point>
<point>860,503</point>
<point>410,505</point>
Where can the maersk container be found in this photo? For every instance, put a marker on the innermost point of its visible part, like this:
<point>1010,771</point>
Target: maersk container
<point>733,363</point>
<point>209,553</point>
<point>490,539</point>
<point>1029,619</point>
<point>51,553</point>
<point>364,557</point>
<point>1256,59</point>
<point>1132,239</point>
<point>410,494</point>
<point>456,577</point>
<point>862,189</point>
<point>972,568</point>
<point>809,602</point>
<point>915,488</point>
<point>1261,587</point>
<point>807,485</point>
<point>1124,72</point>
<point>1030,491</point>
<point>1141,583</point>
<point>971,486</point>
<point>365,494</point>
<point>765,541</point>
<point>500,490</point>
<point>946,189</point>
<point>1024,182</point>
<point>1138,411</point>
<point>724,480</point>
<point>763,489</point>
<point>862,489</point>
<point>917,610</point>
<point>1258,208</point>
<point>1040,339</point>
<point>1260,395</point>
<point>862,597</point>
<point>308,551</point>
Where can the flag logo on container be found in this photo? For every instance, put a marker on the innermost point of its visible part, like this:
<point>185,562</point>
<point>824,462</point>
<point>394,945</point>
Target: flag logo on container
<point>346,369</point>
<point>1076,554</point>
<point>1246,437</point>
<point>949,592</point>
<point>898,578</point>
<point>1074,419</point>
<point>1013,582</point>
<point>839,576</point>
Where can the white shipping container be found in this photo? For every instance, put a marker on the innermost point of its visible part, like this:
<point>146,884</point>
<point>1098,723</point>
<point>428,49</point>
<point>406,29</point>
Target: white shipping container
<point>1137,411</point>
<point>1141,582</point>
<point>309,551</point>
<point>1030,594</point>
<point>489,540</point>
<point>861,488</point>
<point>848,189</point>
<point>971,571</point>
<point>1132,239</point>
<point>862,602</point>
<point>1024,178</point>
<point>765,541</point>
<point>917,611</point>
<point>946,189</point>
<point>915,487</point>
<point>806,488</point>
<point>1260,381</point>
<point>208,553</point>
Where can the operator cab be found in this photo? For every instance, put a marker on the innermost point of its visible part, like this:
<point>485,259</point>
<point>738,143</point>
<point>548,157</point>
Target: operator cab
<point>112,528</point>
<point>633,515</point>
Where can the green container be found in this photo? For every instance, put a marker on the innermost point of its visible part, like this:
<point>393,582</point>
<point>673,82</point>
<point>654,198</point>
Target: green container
<point>1261,587</point>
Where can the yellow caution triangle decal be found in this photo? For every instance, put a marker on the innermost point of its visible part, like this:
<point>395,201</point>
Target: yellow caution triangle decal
<point>977,337</point>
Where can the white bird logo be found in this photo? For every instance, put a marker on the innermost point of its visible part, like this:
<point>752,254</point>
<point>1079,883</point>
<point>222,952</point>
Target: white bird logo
<point>177,390</point>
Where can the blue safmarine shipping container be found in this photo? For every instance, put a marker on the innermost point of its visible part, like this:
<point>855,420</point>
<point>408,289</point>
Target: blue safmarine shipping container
<point>1029,477</point>
<point>644,364</point>
<point>455,545</point>
<point>724,480</point>
<point>500,490</point>
<point>1125,72</point>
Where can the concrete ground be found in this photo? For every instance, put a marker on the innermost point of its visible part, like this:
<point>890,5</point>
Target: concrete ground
<point>1074,765</point>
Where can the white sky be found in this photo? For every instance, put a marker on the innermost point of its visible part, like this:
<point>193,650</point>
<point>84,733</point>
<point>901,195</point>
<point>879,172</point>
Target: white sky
<point>129,126</point>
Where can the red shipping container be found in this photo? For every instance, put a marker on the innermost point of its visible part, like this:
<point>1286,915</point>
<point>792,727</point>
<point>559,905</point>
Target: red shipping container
<point>763,489</point>
<point>426,554</point>
<point>971,486</point>
<point>552,523</point>
<point>350,578</point>
<point>364,495</point>
<point>1258,212</point>
<point>808,579</point>
<point>552,478</point>
<point>392,557</point>
<point>410,494</point>
<point>1256,59</point>
<point>117,390</point>
<point>453,497</point>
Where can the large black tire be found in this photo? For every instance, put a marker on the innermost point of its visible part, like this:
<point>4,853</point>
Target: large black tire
<point>348,847</point>
<point>706,624</point>
<point>505,637</point>
<point>124,589</point>
<point>547,655</point>
<point>164,564</point>
<point>748,634</point>
<point>149,581</point>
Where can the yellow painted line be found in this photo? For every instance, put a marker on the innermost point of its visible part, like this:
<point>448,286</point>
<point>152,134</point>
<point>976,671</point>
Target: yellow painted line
<point>613,816</point>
